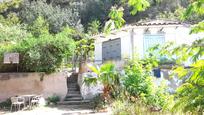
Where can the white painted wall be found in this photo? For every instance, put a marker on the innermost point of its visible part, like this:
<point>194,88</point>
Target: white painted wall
<point>98,52</point>
<point>173,33</point>
<point>138,41</point>
<point>125,48</point>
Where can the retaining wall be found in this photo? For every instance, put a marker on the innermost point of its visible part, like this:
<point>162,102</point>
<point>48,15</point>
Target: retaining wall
<point>12,84</point>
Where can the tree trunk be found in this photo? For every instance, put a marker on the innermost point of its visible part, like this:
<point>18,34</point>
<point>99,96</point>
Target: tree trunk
<point>82,67</point>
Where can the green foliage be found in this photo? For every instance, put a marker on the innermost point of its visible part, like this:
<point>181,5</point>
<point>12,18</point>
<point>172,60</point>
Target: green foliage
<point>138,5</point>
<point>137,80</point>
<point>107,75</point>
<point>139,83</point>
<point>90,80</point>
<point>53,100</point>
<point>195,7</point>
<point>120,107</point>
<point>11,20</point>
<point>8,16</point>
<point>116,19</point>
<point>174,54</point>
<point>95,10</point>
<point>194,12</point>
<point>117,12</point>
<point>42,54</point>
<point>189,96</point>
<point>5,104</point>
<point>93,27</point>
<point>125,107</point>
<point>116,15</point>
<point>56,17</point>
<point>191,93</point>
<point>176,15</point>
<point>161,55</point>
<point>45,54</point>
<point>198,28</point>
<point>165,9</point>
<point>61,13</point>
<point>98,102</point>
<point>12,34</point>
<point>84,48</point>
<point>39,27</point>
<point>5,5</point>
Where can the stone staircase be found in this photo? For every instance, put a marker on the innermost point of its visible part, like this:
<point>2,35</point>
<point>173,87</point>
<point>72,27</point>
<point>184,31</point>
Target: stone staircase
<point>74,98</point>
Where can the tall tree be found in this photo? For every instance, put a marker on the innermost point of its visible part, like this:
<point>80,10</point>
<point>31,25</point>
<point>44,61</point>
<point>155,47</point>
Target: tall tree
<point>56,16</point>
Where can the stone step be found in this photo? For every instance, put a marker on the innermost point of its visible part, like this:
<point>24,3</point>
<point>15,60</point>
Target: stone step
<point>74,74</point>
<point>73,89</point>
<point>73,99</point>
<point>73,77</point>
<point>73,92</point>
<point>82,102</point>
<point>73,95</point>
<point>77,107</point>
<point>72,84</point>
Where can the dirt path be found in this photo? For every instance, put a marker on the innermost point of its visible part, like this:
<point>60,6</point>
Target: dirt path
<point>59,110</point>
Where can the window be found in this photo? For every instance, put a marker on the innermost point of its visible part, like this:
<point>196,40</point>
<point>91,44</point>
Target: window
<point>111,50</point>
<point>150,40</point>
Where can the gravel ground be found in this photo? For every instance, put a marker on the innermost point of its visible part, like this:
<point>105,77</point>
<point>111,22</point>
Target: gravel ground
<point>58,110</point>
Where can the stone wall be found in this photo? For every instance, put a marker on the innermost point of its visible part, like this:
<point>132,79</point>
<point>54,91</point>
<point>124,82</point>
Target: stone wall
<point>12,84</point>
<point>88,92</point>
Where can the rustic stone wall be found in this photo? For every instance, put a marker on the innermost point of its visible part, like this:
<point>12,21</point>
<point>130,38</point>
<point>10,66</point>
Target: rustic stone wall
<point>88,92</point>
<point>12,84</point>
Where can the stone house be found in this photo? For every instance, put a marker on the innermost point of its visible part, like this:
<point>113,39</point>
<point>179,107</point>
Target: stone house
<point>139,37</point>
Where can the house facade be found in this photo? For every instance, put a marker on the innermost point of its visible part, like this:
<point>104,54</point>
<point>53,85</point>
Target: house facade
<point>138,38</point>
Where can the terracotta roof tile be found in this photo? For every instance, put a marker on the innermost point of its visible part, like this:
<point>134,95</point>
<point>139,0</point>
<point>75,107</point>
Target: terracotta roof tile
<point>157,22</point>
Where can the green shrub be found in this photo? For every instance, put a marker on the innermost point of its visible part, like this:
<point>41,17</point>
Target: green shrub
<point>12,34</point>
<point>138,82</point>
<point>5,104</point>
<point>108,76</point>
<point>121,107</point>
<point>42,54</point>
<point>53,100</point>
<point>125,107</point>
<point>98,102</point>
